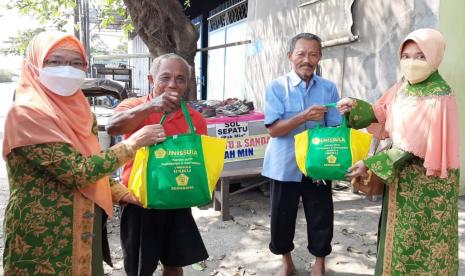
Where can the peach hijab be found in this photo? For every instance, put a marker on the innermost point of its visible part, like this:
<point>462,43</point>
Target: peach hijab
<point>39,116</point>
<point>427,126</point>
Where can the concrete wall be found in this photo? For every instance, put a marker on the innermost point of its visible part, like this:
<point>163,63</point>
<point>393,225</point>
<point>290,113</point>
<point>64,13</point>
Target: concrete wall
<point>364,68</point>
<point>451,24</point>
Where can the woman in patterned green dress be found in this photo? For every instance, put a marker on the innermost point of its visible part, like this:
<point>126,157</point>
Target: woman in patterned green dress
<point>57,172</point>
<point>419,221</point>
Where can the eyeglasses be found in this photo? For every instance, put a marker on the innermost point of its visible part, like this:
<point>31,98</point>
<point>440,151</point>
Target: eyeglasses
<point>59,62</point>
<point>179,80</point>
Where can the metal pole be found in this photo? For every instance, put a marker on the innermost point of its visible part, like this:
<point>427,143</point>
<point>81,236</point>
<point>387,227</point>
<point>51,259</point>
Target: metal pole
<point>76,18</point>
<point>82,25</point>
<point>86,28</point>
<point>224,45</point>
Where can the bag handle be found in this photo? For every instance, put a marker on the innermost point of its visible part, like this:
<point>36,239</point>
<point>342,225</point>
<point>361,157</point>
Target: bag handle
<point>343,119</point>
<point>185,111</point>
<point>344,123</point>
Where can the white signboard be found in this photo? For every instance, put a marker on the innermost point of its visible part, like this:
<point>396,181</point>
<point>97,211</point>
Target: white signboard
<point>246,148</point>
<point>232,130</point>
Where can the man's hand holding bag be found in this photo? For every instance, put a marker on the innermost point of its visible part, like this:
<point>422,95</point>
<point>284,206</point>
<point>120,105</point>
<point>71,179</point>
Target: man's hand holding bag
<point>327,152</point>
<point>180,172</point>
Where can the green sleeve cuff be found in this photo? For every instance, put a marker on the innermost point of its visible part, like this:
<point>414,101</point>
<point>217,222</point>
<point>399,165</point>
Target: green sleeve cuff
<point>361,115</point>
<point>385,163</point>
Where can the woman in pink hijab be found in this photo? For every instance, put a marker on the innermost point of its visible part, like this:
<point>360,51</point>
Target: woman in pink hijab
<point>418,232</point>
<point>57,172</point>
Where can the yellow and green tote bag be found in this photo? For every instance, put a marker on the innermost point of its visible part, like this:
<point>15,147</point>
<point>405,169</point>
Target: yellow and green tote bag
<point>180,172</point>
<point>327,152</point>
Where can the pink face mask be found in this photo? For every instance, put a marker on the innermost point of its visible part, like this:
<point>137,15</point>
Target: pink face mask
<point>415,70</point>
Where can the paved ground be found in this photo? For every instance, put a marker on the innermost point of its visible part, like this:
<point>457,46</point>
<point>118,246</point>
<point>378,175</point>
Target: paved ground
<point>240,246</point>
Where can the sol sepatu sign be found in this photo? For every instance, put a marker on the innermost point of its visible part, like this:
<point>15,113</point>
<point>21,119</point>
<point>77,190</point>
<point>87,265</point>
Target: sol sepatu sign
<point>246,148</point>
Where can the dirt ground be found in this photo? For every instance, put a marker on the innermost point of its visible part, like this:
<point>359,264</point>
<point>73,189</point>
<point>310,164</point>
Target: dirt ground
<point>240,246</point>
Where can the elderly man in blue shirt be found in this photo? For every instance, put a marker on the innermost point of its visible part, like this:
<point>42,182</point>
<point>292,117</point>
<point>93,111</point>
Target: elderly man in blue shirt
<point>293,103</point>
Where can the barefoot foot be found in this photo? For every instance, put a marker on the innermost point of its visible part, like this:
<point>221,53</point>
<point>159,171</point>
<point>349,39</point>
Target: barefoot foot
<point>318,268</point>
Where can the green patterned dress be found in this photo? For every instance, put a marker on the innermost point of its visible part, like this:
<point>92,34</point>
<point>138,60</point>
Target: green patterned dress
<point>418,233</point>
<point>49,226</point>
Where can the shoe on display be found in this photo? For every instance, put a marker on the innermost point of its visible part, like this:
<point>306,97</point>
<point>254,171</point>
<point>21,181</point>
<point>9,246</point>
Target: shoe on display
<point>208,112</point>
<point>249,104</point>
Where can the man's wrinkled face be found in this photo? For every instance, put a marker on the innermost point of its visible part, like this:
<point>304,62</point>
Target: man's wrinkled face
<point>171,76</point>
<point>305,58</point>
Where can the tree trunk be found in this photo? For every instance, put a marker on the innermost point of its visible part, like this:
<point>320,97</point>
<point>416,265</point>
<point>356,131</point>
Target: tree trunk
<point>165,28</point>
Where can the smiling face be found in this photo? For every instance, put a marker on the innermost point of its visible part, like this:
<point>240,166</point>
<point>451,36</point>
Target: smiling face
<point>171,76</point>
<point>305,57</point>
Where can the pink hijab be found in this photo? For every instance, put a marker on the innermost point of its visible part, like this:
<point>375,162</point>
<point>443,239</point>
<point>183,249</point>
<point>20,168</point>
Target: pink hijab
<point>39,116</point>
<point>427,126</point>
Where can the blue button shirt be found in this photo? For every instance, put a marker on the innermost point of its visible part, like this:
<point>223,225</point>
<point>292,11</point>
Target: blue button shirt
<point>285,98</point>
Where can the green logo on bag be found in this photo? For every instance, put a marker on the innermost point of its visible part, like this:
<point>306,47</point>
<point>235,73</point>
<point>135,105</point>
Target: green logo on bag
<point>317,140</point>
<point>331,159</point>
<point>182,180</point>
<point>332,140</point>
<point>160,153</point>
<point>182,152</point>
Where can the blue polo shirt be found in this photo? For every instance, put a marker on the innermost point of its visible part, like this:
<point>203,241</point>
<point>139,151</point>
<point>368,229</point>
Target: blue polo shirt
<point>285,98</point>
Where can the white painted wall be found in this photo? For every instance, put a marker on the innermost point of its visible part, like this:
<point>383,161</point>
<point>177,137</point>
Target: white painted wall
<point>364,68</point>
<point>140,66</point>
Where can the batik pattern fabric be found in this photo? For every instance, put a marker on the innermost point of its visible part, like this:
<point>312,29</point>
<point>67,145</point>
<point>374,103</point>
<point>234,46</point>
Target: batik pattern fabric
<point>419,231</point>
<point>419,220</point>
<point>48,227</point>
<point>435,85</point>
<point>385,163</point>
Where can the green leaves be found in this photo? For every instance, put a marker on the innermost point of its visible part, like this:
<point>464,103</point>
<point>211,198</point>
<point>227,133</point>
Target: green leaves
<point>128,28</point>
<point>19,43</point>
<point>114,12</point>
<point>54,12</point>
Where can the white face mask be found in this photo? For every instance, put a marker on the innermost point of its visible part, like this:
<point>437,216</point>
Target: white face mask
<point>62,80</point>
<point>415,70</point>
